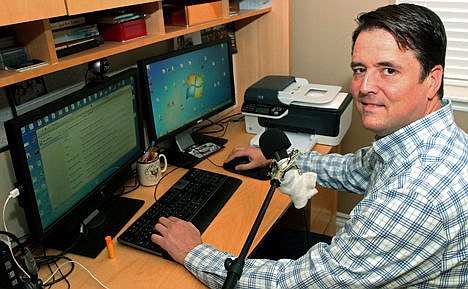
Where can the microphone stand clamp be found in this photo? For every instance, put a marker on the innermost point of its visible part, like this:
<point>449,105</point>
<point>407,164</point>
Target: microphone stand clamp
<point>279,168</point>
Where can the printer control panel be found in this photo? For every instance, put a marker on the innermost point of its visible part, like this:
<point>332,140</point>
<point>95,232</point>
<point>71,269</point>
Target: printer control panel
<point>263,110</point>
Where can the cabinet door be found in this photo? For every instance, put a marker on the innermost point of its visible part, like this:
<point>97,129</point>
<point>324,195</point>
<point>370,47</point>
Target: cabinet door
<point>17,11</point>
<point>84,6</point>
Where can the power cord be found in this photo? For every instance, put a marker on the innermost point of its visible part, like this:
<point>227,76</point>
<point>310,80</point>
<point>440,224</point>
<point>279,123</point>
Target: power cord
<point>70,261</point>
<point>30,260</point>
<point>12,195</point>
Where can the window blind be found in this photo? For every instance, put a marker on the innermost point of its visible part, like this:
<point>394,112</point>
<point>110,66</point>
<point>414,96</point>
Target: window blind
<point>454,15</point>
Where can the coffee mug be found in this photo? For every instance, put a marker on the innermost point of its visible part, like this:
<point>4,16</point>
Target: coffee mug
<point>150,172</point>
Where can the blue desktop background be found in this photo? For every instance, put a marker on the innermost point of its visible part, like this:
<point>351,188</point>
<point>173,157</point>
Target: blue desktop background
<point>55,196</point>
<point>187,86</point>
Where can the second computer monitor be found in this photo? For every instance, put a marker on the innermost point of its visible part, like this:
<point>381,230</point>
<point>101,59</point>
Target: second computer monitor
<point>185,87</point>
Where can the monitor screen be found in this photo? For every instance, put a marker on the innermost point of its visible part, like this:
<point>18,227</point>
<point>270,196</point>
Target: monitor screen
<point>186,87</point>
<point>69,155</point>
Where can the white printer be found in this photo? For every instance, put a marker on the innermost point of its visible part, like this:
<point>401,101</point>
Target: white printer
<point>293,104</point>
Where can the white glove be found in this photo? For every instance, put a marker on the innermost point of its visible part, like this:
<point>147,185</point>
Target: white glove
<point>299,186</point>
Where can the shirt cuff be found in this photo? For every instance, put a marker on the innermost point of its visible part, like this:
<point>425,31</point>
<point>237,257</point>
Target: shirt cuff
<point>207,264</point>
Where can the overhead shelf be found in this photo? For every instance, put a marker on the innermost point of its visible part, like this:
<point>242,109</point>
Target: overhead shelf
<point>33,31</point>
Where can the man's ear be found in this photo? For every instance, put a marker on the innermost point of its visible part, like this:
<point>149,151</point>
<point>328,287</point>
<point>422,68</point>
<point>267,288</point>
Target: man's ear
<point>434,81</point>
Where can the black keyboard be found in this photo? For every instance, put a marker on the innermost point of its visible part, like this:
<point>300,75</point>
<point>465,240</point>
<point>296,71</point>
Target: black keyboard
<point>196,197</point>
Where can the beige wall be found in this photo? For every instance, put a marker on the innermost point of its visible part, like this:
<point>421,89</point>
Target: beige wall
<point>321,50</point>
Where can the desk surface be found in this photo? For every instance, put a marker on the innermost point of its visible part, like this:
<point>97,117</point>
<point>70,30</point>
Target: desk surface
<point>133,268</point>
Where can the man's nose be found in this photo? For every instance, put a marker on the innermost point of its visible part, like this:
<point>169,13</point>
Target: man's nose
<point>368,83</point>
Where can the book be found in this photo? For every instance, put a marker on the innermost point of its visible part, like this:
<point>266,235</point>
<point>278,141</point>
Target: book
<point>78,41</point>
<point>66,23</point>
<point>75,33</point>
<point>28,65</point>
<point>74,48</point>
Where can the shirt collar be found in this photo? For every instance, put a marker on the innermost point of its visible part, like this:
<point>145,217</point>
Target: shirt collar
<point>407,138</point>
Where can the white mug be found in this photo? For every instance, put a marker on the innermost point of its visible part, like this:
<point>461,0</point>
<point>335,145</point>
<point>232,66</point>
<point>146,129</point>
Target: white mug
<point>150,172</point>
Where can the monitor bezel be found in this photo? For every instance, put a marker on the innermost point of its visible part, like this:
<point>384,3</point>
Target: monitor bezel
<point>97,198</point>
<point>148,110</point>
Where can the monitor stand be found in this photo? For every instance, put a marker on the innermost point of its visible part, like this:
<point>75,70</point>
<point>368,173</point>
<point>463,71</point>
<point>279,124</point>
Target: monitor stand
<point>192,149</point>
<point>108,222</point>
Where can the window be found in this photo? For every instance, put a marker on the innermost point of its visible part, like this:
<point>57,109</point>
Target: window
<point>454,14</point>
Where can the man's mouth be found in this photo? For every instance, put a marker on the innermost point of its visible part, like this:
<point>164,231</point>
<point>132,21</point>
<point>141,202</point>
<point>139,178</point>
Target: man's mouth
<point>371,106</point>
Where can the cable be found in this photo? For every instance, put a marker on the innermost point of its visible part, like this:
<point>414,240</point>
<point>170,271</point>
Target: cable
<point>220,122</point>
<point>53,260</point>
<point>13,194</point>
<point>156,186</point>
<point>79,264</point>
<point>11,236</point>
<point>133,187</point>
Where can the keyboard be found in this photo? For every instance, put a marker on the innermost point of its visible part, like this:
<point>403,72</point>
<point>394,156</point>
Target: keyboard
<point>197,196</point>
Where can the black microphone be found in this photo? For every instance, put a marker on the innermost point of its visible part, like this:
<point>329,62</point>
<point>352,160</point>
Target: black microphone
<point>274,144</point>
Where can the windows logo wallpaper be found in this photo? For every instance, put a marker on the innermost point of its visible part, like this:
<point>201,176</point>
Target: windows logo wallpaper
<point>187,85</point>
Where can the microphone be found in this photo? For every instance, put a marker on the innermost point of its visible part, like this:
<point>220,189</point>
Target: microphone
<point>274,145</point>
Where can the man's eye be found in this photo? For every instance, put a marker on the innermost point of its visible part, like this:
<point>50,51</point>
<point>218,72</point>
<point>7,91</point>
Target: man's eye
<point>389,71</point>
<point>358,70</point>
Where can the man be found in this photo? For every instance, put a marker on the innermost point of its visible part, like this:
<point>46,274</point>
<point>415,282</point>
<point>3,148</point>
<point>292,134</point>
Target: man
<point>410,229</point>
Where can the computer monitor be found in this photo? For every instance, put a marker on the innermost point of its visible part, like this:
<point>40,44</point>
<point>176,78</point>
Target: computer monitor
<point>71,155</point>
<point>183,88</point>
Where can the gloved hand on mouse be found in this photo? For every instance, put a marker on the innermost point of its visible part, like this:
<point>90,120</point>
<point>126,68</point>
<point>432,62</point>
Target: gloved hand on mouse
<point>299,186</point>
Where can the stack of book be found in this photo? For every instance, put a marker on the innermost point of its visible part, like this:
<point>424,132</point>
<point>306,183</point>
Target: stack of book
<point>73,35</point>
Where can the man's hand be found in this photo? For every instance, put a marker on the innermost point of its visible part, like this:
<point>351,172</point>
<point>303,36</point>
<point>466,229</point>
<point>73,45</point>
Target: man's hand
<point>255,155</point>
<point>178,237</point>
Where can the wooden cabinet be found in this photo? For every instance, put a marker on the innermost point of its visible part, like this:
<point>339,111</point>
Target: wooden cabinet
<point>84,6</point>
<point>17,11</point>
<point>262,36</point>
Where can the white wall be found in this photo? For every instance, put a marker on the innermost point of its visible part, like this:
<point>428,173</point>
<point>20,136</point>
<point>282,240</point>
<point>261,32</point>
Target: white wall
<point>321,52</point>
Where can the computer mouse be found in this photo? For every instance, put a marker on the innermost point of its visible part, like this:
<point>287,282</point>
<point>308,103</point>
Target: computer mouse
<point>257,173</point>
<point>231,165</point>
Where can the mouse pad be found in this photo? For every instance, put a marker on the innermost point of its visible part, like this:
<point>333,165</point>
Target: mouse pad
<point>259,174</point>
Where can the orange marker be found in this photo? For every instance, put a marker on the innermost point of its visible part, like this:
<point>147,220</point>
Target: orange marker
<point>110,247</point>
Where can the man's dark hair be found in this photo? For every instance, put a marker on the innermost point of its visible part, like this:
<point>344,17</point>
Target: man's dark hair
<point>415,28</point>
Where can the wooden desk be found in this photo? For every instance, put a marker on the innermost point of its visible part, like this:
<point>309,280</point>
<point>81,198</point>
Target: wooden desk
<point>133,268</point>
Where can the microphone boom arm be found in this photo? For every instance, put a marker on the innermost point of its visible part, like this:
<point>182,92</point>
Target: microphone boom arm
<point>235,267</point>
<point>278,169</point>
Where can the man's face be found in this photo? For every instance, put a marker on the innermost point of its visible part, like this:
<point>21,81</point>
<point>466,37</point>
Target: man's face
<point>386,83</point>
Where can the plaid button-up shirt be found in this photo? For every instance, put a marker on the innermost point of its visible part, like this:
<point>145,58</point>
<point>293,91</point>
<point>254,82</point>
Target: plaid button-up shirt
<point>410,229</point>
